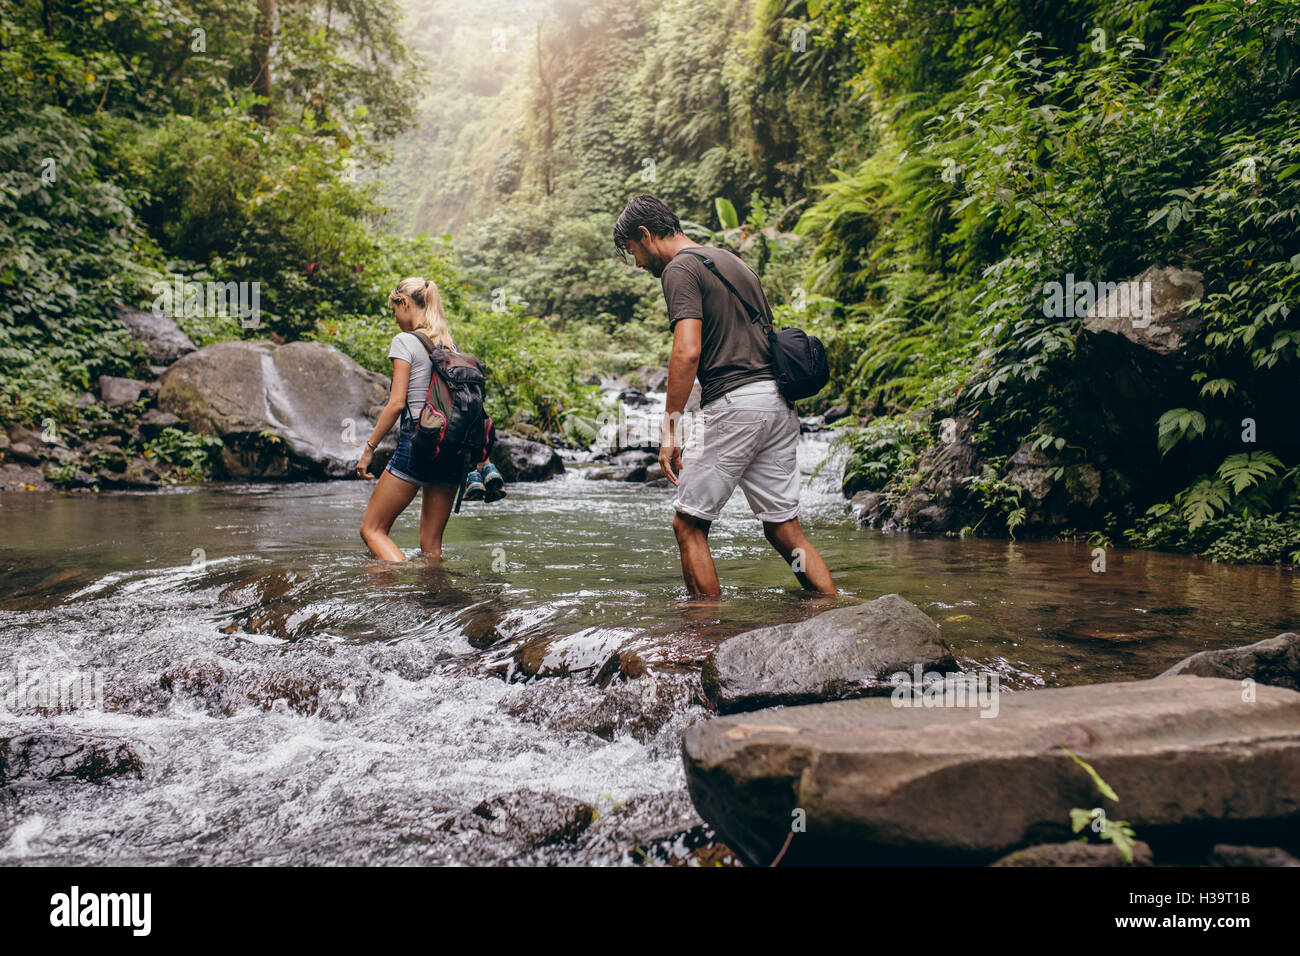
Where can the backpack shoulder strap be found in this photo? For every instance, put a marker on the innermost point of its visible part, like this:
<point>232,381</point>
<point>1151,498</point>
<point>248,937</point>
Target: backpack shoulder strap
<point>424,340</point>
<point>752,312</point>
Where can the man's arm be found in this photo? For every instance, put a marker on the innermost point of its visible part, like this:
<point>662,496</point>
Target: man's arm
<point>682,365</point>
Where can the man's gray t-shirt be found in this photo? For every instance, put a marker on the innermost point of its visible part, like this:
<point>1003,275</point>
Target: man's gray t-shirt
<point>406,346</point>
<point>734,349</point>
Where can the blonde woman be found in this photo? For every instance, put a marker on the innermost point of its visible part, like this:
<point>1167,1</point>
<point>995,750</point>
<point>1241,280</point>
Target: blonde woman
<point>417,307</point>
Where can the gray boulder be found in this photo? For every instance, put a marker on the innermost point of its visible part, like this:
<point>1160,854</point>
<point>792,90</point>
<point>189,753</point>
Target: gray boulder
<point>867,508</point>
<point>298,411</point>
<point>14,477</point>
<point>632,465</point>
<point>848,652</point>
<point>519,459</point>
<point>1274,660</point>
<point>119,392</point>
<point>1163,329</point>
<point>155,420</point>
<point>510,824</point>
<point>161,339</point>
<point>878,783</point>
<point>1056,496</point>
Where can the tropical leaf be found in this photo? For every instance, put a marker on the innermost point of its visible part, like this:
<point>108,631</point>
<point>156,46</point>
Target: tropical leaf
<point>726,213</point>
<point>1203,500</point>
<point>1248,469</point>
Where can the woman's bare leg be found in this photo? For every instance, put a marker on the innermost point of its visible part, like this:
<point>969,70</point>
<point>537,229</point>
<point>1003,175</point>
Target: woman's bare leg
<point>387,501</point>
<point>434,512</point>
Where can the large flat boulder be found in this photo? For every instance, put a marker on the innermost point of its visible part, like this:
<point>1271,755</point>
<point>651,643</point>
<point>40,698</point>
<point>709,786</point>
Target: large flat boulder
<point>844,653</point>
<point>160,338</point>
<point>1274,660</point>
<point>299,411</point>
<point>1191,761</point>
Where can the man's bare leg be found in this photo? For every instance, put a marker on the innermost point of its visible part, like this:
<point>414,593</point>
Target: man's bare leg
<point>788,539</point>
<point>697,561</point>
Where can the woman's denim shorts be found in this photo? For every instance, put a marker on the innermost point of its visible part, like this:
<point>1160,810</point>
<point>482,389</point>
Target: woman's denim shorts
<point>402,466</point>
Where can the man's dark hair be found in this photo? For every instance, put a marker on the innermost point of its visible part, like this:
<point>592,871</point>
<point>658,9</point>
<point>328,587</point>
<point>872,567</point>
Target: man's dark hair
<point>644,210</point>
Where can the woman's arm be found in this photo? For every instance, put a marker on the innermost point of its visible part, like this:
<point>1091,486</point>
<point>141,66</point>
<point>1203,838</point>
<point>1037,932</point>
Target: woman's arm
<point>396,402</point>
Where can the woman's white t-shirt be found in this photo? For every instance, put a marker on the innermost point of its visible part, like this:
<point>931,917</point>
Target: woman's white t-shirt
<point>407,346</point>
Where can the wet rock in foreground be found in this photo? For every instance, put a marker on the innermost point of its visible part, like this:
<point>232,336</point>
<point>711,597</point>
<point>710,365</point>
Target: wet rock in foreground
<point>1076,854</point>
<point>521,820</point>
<point>1191,761</point>
<point>1227,855</point>
<point>1274,660</point>
<point>299,684</point>
<point>844,653</point>
<point>642,708</point>
<point>41,757</point>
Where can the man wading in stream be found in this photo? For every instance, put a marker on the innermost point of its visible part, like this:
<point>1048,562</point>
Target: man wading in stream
<point>747,434</point>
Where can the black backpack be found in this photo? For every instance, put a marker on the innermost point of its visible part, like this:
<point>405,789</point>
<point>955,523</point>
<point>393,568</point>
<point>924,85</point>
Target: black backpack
<point>798,359</point>
<point>453,425</point>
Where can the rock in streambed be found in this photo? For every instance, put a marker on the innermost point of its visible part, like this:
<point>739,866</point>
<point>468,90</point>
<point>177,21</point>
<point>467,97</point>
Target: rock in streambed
<point>844,653</point>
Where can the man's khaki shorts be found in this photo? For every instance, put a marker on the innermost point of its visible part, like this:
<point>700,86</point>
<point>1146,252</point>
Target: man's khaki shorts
<point>748,437</point>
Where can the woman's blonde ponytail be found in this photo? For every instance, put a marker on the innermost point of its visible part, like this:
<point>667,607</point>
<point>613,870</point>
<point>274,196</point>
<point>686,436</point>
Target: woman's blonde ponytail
<point>425,295</point>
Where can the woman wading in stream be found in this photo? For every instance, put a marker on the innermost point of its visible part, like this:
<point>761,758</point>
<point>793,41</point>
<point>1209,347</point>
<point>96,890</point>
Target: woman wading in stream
<point>437,397</point>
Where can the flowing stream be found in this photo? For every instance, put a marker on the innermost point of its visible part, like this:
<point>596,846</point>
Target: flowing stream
<point>293,701</point>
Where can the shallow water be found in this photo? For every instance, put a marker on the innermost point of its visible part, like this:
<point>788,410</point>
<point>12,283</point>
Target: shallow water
<point>293,701</point>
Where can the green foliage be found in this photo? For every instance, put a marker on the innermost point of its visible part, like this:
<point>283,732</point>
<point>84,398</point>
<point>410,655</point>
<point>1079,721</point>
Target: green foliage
<point>535,376</point>
<point>130,150</point>
<point>69,245</point>
<point>999,498</point>
<point>1248,511</point>
<point>193,454</point>
<point>272,205</point>
<point>726,213</point>
<point>1177,424</point>
<point>1014,146</point>
<point>1118,832</point>
<point>884,449</point>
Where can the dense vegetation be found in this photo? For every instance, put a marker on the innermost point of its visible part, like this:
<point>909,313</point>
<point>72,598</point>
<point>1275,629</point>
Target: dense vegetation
<point>906,175</point>
<point>938,163</point>
<point>139,142</point>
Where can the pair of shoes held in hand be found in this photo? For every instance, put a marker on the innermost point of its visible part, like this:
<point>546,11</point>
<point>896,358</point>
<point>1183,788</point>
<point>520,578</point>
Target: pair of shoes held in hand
<point>485,485</point>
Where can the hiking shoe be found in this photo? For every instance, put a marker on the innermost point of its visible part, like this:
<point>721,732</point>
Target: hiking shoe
<point>495,485</point>
<point>474,488</point>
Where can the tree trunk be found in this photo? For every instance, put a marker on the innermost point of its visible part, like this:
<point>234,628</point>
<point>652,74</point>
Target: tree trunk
<point>263,37</point>
<point>548,102</point>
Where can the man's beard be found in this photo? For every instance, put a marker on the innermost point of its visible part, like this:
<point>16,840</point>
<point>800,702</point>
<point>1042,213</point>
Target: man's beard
<point>656,267</point>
